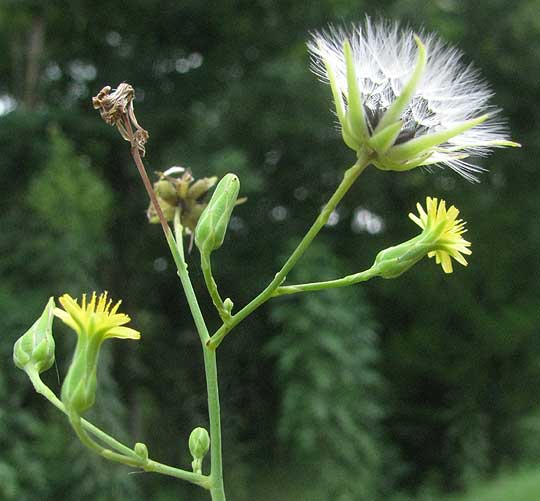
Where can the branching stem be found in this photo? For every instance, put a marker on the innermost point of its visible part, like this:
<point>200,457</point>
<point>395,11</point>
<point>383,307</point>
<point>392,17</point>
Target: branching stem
<point>124,454</point>
<point>350,176</point>
<point>212,287</point>
<point>176,247</point>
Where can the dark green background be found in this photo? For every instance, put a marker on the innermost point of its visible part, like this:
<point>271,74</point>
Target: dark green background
<point>389,390</point>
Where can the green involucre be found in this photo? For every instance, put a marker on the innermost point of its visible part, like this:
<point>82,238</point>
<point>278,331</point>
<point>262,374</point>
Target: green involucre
<point>80,385</point>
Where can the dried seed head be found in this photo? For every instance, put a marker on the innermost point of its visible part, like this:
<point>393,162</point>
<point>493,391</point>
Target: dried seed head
<point>176,187</point>
<point>116,108</point>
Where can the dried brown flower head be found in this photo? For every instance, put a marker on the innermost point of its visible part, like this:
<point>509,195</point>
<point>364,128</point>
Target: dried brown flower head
<point>116,108</point>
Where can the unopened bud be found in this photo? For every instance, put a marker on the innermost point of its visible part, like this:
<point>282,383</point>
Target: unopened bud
<point>212,226</point>
<point>199,443</point>
<point>141,450</point>
<point>35,348</point>
<point>228,305</point>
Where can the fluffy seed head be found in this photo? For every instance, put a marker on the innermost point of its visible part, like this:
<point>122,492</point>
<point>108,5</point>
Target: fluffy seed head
<point>407,100</point>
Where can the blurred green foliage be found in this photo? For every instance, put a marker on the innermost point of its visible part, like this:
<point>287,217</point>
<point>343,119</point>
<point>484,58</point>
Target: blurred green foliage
<point>439,374</point>
<point>330,389</point>
<point>518,486</point>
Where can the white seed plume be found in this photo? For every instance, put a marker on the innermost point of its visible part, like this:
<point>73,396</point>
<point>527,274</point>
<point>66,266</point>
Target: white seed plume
<point>447,94</point>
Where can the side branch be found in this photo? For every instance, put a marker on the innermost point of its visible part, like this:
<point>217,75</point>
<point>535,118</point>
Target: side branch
<point>350,176</point>
<point>356,278</point>
<point>126,454</point>
<point>212,287</point>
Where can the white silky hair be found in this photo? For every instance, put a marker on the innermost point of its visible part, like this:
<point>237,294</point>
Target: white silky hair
<point>450,92</point>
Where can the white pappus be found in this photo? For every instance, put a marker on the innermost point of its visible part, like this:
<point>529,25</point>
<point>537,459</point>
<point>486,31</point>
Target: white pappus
<point>407,100</point>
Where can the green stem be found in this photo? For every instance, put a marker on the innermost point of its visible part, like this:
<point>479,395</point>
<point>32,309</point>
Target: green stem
<point>177,250</point>
<point>216,468</point>
<point>126,452</point>
<point>195,478</point>
<point>356,278</point>
<point>44,390</point>
<point>86,440</point>
<point>212,287</point>
<point>350,176</point>
<point>210,364</point>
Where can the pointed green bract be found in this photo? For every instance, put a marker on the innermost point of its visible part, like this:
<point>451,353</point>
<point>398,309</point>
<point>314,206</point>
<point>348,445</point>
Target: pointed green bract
<point>385,138</point>
<point>385,163</point>
<point>348,136</point>
<point>336,93</point>
<point>430,160</point>
<point>505,142</point>
<point>398,106</point>
<point>416,146</point>
<point>355,108</point>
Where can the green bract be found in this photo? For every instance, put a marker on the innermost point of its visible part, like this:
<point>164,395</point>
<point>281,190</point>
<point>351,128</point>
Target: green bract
<point>212,225</point>
<point>35,348</point>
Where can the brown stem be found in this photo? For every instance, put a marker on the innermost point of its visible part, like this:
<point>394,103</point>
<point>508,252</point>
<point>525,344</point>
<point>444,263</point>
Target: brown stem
<point>146,181</point>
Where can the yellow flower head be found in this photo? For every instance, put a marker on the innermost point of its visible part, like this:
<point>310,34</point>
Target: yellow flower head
<point>95,317</point>
<point>442,227</point>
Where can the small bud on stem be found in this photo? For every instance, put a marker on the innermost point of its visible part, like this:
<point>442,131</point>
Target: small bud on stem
<point>199,445</point>
<point>35,349</point>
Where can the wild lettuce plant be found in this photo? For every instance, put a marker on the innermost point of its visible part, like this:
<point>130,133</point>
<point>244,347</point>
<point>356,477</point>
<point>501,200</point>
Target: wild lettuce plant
<point>402,100</point>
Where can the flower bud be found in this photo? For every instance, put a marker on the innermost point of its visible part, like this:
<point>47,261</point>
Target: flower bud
<point>228,305</point>
<point>141,450</point>
<point>212,226</point>
<point>199,443</point>
<point>35,348</point>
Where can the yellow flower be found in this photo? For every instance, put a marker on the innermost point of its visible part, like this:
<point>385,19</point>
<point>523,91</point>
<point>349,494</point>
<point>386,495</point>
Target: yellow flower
<point>442,227</point>
<point>95,318</point>
<point>93,321</point>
